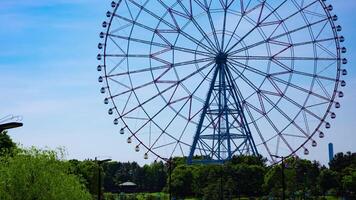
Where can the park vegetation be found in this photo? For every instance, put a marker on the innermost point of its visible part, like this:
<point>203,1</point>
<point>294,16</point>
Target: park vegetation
<point>45,174</point>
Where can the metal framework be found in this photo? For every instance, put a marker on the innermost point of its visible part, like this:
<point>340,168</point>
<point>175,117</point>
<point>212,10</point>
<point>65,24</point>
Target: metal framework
<point>218,141</point>
<point>209,79</point>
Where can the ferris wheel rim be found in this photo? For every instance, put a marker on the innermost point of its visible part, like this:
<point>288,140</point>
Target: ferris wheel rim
<point>332,100</point>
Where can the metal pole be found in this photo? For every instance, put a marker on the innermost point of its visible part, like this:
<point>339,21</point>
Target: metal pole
<point>99,183</point>
<point>170,178</point>
<point>99,162</point>
<point>221,188</point>
<point>283,181</point>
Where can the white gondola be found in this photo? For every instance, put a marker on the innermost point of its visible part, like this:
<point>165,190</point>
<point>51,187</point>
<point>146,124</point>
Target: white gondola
<point>321,134</point>
<point>106,101</point>
<point>102,90</point>
<point>314,144</point>
<point>110,111</point>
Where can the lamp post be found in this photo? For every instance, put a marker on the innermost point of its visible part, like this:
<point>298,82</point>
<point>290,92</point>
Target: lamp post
<point>283,181</point>
<point>10,125</point>
<point>99,162</point>
<point>169,166</point>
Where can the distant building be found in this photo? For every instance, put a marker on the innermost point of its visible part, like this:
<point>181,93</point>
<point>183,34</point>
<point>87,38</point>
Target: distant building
<point>128,187</point>
<point>331,151</point>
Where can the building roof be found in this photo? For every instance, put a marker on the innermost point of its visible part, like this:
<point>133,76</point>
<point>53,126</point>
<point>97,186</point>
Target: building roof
<point>128,184</point>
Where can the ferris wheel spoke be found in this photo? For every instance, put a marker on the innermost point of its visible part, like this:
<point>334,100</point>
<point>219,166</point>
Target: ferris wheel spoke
<point>157,44</point>
<point>195,23</point>
<point>215,47</point>
<point>236,71</point>
<point>117,65</point>
<point>235,29</point>
<point>295,136</point>
<point>256,26</point>
<point>164,145</point>
<point>291,121</point>
<point>197,52</point>
<point>274,127</point>
<point>278,36</point>
<point>120,83</point>
<point>306,123</point>
<point>276,106</point>
<point>156,114</point>
<point>323,88</point>
<point>173,27</point>
<point>266,116</point>
<point>327,50</point>
<point>224,25</point>
<point>192,19</point>
<point>273,77</point>
<point>212,27</point>
<point>174,117</point>
<point>306,132</point>
<point>179,139</point>
<point>259,132</point>
<point>167,89</point>
<point>276,58</point>
<point>135,23</point>
<point>165,66</point>
<point>117,45</point>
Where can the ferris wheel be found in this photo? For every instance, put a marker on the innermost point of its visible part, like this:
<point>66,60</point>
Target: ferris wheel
<point>209,79</point>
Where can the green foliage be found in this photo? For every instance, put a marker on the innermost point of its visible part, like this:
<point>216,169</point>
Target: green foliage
<point>249,179</point>
<point>300,178</point>
<point>342,161</point>
<point>87,171</point>
<point>249,160</point>
<point>241,176</point>
<point>349,184</point>
<point>7,146</point>
<point>182,179</point>
<point>38,174</point>
<point>328,179</point>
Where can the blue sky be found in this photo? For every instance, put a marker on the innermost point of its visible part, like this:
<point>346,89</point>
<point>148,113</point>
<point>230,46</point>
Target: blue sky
<point>48,72</point>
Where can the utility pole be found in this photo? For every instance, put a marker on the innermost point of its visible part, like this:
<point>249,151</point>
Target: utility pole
<point>283,181</point>
<point>170,178</point>
<point>283,178</point>
<point>99,162</point>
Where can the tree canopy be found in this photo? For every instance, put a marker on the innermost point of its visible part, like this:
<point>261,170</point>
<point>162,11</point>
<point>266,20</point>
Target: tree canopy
<point>38,174</point>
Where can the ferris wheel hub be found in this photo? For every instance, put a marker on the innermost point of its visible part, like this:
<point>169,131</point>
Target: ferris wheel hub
<point>221,58</point>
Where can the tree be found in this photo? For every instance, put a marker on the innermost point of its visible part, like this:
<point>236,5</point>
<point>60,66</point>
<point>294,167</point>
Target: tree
<point>182,179</point>
<point>249,160</point>
<point>39,174</point>
<point>6,144</point>
<point>110,168</point>
<point>327,180</point>
<point>87,172</point>
<point>300,177</point>
<point>342,161</point>
<point>249,179</point>
<point>349,184</point>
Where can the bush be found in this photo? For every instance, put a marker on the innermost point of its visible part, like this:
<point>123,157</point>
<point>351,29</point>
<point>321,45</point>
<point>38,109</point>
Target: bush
<point>38,174</point>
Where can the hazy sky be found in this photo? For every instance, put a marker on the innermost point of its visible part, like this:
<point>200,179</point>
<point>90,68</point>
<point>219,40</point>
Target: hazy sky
<point>48,76</point>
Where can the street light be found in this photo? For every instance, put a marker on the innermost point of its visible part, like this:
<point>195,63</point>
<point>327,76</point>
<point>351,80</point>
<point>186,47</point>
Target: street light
<point>169,163</point>
<point>99,162</point>
<point>283,181</point>
<point>10,125</point>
